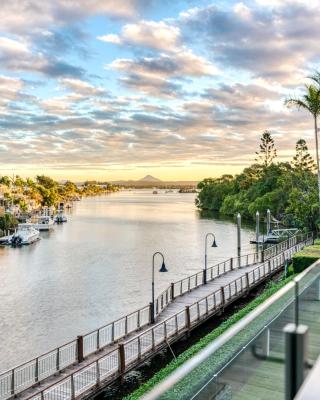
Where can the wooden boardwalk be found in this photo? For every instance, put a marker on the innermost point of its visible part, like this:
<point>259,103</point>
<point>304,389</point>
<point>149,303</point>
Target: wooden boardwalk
<point>178,311</point>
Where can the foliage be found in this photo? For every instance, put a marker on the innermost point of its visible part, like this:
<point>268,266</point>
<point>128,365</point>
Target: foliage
<point>196,348</point>
<point>303,160</point>
<point>45,191</point>
<point>304,258</point>
<point>7,221</point>
<point>289,190</point>
<point>267,151</point>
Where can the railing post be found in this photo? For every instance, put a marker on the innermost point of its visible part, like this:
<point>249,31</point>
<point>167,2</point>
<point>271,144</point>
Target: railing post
<point>152,336</point>
<point>97,373</point>
<point>138,319</point>
<point>231,264</point>
<point>122,359</point>
<point>12,381</point>
<point>36,371</point>
<point>139,348</point>
<point>58,360</point>
<point>188,319</point>
<point>112,332</point>
<point>223,300</point>
<point>247,281</point>
<point>172,291</point>
<point>79,349</point>
<point>262,255</point>
<point>126,325</point>
<point>72,387</point>
<point>176,322</point>
<point>151,313</point>
<point>204,276</point>
<point>98,339</point>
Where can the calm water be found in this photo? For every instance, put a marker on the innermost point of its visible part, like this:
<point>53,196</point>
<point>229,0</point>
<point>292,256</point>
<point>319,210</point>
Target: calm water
<point>97,267</point>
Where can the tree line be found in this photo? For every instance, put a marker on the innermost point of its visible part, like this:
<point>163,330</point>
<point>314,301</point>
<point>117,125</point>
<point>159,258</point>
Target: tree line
<point>290,189</point>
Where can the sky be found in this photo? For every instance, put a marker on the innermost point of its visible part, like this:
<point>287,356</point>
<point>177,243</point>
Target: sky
<point>181,90</point>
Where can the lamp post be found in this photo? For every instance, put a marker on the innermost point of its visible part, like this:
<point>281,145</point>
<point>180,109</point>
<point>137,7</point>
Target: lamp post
<point>214,244</point>
<point>162,269</point>
<point>239,235</point>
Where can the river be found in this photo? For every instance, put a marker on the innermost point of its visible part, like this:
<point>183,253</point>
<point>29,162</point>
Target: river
<point>97,267</point>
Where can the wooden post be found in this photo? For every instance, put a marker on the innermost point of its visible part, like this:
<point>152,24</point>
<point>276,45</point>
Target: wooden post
<point>112,332</point>
<point>247,282</point>
<point>126,325</point>
<point>138,319</point>
<point>188,320</point>
<point>36,371</point>
<point>12,381</point>
<point>98,339</point>
<point>79,349</point>
<point>122,359</point>
<point>222,296</point>
<point>231,264</point>
<point>150,313</point>
<point>172,291</point>
<point>58,360</point>
<point>97,372</point>
<point>139,348</point>
<point>72,387</point>
<point>152,335</point>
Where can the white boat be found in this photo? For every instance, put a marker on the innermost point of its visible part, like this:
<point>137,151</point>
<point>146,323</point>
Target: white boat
<point>25,234</point>
<point>60,218</point>
<point>43,223</point>
<point>276,236</point>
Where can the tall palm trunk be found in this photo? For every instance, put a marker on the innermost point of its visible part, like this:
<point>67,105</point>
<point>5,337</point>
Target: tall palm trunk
<point>317,151</point>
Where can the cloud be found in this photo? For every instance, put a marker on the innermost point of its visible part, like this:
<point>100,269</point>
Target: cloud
<point>82,87</point>
<point>25,17</point>
<point>19,56</point>
<point>154,75</point>
<point>148,34</point>
<point>274,43</point>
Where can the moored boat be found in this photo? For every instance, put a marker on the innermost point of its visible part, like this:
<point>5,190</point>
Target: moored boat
<point>43,223</point>
<point>25,234</point>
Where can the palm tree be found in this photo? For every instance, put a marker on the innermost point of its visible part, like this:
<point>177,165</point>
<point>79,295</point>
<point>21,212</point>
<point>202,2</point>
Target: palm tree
<point>310,101</point>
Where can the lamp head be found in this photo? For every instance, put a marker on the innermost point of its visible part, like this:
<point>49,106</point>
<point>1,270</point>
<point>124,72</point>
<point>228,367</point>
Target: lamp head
<point>214,243</point>
<point>163,267</point>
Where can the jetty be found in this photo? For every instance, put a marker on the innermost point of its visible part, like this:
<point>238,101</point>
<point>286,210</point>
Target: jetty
<point>96,359</point>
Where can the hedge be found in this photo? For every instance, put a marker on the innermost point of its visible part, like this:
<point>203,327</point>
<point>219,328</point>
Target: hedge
<point>306,257</point>
<point>272,287</point>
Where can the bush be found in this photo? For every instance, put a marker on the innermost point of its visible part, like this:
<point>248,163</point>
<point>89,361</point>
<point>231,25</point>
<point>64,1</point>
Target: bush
<point>304,258</point>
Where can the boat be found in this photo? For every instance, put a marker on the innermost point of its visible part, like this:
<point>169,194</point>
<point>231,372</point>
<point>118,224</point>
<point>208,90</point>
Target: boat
<point>155,192</point>
<point>276,236</point>
<point>43,223</point>
<point>60,218</point>
<point>25,234</point>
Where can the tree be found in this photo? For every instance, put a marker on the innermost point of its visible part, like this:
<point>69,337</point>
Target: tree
<point>5,180</point>
<point>267,151</point>
<point>303,160</point>
<point>310,101</point>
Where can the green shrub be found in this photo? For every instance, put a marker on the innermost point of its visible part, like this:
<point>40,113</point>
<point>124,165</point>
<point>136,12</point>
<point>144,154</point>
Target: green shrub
<point>271,288</point>
<point>317,242</point>
<point>304,258</point>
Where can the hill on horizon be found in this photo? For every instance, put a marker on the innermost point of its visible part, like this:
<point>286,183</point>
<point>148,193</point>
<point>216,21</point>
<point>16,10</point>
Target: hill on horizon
<point>149,178</point>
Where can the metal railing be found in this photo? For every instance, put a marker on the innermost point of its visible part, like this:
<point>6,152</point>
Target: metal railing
<point>133,351</point>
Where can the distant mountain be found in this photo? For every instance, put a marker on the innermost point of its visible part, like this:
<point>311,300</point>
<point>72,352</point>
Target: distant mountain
<point>149,178</point>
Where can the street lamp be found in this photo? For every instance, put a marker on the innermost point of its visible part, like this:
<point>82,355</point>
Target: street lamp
<point>162,269</point>
<point>214,244</point>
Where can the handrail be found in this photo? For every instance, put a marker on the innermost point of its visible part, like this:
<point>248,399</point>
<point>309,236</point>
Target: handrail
<point>33,371</point>
<point>119,360</point>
